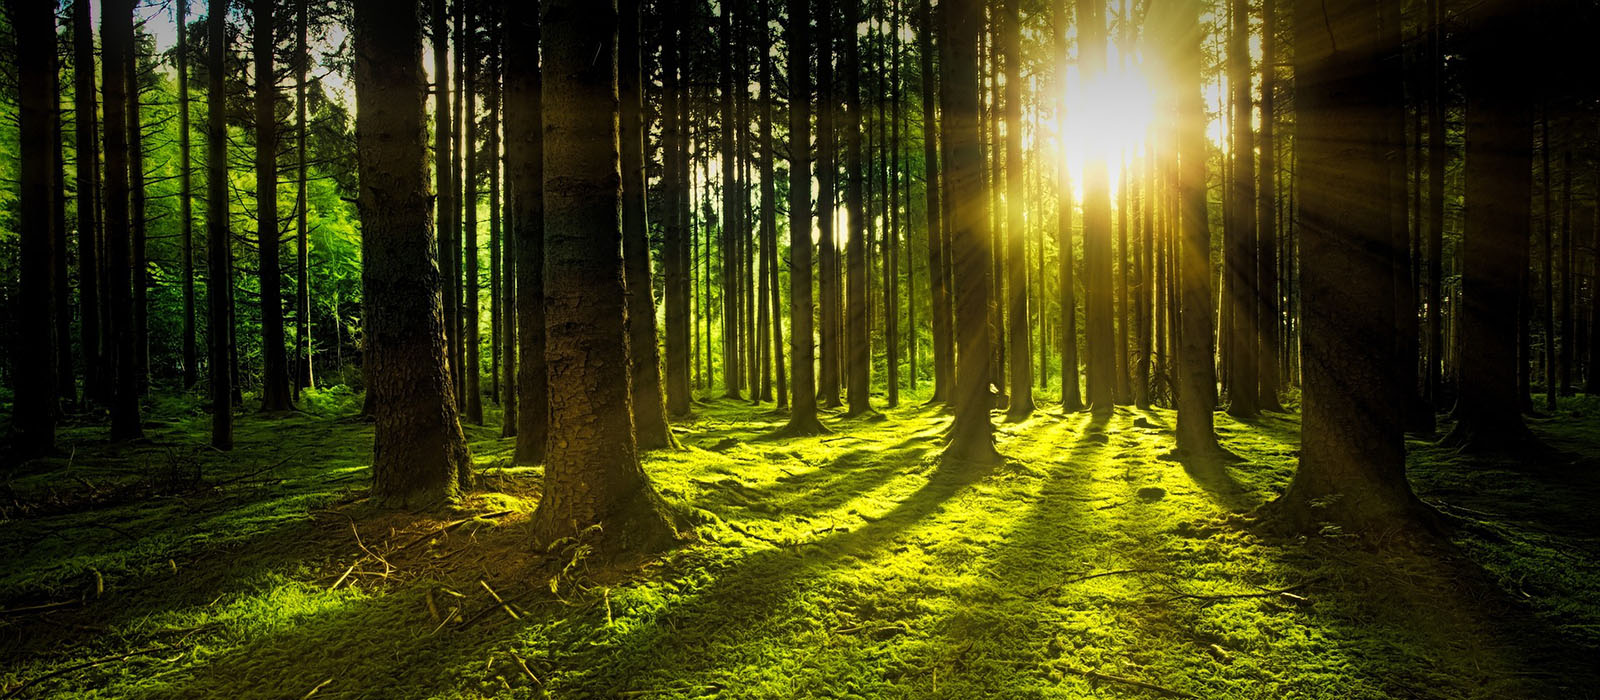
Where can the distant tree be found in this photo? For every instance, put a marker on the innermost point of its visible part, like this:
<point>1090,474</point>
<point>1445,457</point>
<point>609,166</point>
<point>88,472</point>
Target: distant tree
<point>191,360</point>
<point>471,304</point>
<point>593,478</point>
<point>86,136</point>
<point>420,456</point>
<point>829,286</point>
<point>676,261</point>
<point>1071,399</point>
<point>1266,222</point>
<point>938,277</point>
<point>731,210</point>
<point>1021,404</point>
<point>972,433</point>
<point>33,408</point>
<point>274,361</point>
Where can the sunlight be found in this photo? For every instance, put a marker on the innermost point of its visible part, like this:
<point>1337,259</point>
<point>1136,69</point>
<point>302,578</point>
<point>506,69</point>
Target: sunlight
<point>1107,117</point>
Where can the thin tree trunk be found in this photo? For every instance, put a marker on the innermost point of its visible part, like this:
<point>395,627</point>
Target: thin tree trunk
<point>1071,399</point>
<point>87,139</point>
<point>525,179</point>
<point>191,359</point>
<point>471,303</point>
<point>1021,404</point>
<point>219,273</point>
<point>1266,230</point>
<point>827,170</point>
<point>677,256</point>
<point>1240,230</point>
<point>859,379</point>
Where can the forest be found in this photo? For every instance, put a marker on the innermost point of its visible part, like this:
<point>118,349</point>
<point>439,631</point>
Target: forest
<point>1242,349</point>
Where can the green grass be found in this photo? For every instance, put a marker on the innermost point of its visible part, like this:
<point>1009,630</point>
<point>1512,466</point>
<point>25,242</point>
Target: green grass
<point>848,565</point>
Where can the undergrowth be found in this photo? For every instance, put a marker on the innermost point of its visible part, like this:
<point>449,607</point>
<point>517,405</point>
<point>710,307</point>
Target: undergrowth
<point>845,565</point>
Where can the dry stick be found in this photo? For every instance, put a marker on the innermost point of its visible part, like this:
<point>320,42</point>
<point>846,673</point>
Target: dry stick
<point>342,577</point>
<point>44,608</point>
<point>1231,596</point>
<point>496,597</point>
<point>451,526</point>
<point>1118,572</point>
<point>1126,681</point>
<point>87,664</point>
<point>526,670</point>
<point>318,687</point>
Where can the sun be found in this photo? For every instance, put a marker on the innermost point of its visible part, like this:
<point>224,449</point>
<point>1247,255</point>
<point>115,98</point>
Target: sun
<point>1107,117</point>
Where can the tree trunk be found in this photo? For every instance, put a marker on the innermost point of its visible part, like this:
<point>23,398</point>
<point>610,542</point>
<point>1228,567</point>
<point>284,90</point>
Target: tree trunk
<point>445,210</point>
<point>649,407</point>
<point>594,486</point>
<point>87,139</point>
<point>497,315</point>
<point>419,454</point>
<point>1437,154</point>
<point>274,362</point>
<point>1352,468</point>
<point>1568,281</point>
<point>1097,227</point>
<point>1197,440</point>
<point>1021,404</point>
<point>938,292</point>
<point>471,303</point>
<point>859,377</point>
<point>727,243</point>
<point>138,231</point>
<point>1071,399</point>
<point>191,359</point>
<point>972,433</point>
<point>304,376</point>
<point>1240,229</point>
<point>1499,191</point>
<point>525,179</point>
<point>803,404</point>
<point>827,170</point>
<point>116,30</point>
<point>219,263</point>
<point>677,259</point>
<point>33,408</point>
<point>1266,229</point>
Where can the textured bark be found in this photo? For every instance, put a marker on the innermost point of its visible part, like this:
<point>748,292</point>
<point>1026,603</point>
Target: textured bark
<point>419,453</point>
<point>65,392</point>
<point>525,179</point>
<point>87,140</point>
<point>767,317</point>
<point>938,291</point>
<point>1097,228</point>
<point>972,433</point>
<point>858,379</point>
<point>185,201</point>
<point>504,213</point>
<point>1239,230</point>
<point>138,233</point>
<point>116,31</point>
<point>803,404</point>
<point>471,302</point>
<point>274,360</point>
<point>1569,336</point>
<point>1499,191</point>
<point>732,377</point>
<point>593,478</point>
<point>1197,439</point>
<point>33,408</point>
<point>1266,222</point>
<point>1021,404</point>
<point>219,272</point>
<point>649,406</point>
<point>1352,467</point>
<point>497,316</point>
<point>303,375</point>
<point>445,209</point>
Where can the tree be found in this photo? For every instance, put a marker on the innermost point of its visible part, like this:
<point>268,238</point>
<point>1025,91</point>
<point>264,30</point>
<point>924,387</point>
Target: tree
<point>676,262</point>
<point>33,412</point>
<point>420,457</point>
<point>1499,178</point>
<point>939,291</point>
<point>274,361</point>
<point>1071,399</point>
<point>303,376</point>
<point>1196,436</point>
<point>138,237</point>
<point>972,433</point>
<point>472,370</point>
<point>116,31</point>
<point>524,137</point>
<point>219,264</point>
<point>1352,465</point>
<point>593,478</point>
<point>828,283</point>
<point>1239,230</point>
<point>1266,228</point>
<point>803,406</point>
<point>445,189</point>
<point>731,210</point>
<point>1097,227</point>
<point>649,406</point>
<point>858,380</point>
<point>86,134</point>
<point>1438,152</point>
<point>191,358</point>
<point>1021,404</point>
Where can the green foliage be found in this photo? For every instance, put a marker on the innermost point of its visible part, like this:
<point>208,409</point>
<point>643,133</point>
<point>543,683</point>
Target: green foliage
<point>849,565</point>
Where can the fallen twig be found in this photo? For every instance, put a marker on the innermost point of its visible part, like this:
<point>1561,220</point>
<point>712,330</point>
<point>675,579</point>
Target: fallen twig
<point>86,664</point>
<point>316,688</point>
<point>450,526</point>
<point>496,597</point>
<point>42,608</point>
<point>1125,681</point>
<point>1118,572</point>
<point>1233,596</point>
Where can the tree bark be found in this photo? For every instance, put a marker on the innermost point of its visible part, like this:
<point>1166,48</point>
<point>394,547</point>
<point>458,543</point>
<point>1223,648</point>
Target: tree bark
<point>471,305</point>
<point>219,263</point>
<point>86,134</point>
<point>803,404</point>
<point>1071,398</point>
<point>594,486</point>
<point>1097,227</point>
<point>829,287</point>
<point>525,178</point>
<point>420,456</point>
<point>33,408</point>
<point>116,30</point>
<point>858,380</point>
<point>274,360</point>
<point>1021,404</point>
<point>677,259</point>
<point>1266,228</point>
<point>1240,230</point>
<point>938,291</point>
<point>304,376</point>
<point>972,433</point>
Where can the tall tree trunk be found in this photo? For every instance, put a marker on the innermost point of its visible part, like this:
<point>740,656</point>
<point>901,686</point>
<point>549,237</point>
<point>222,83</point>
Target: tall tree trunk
<point>219,263</point>
<point>116,30</point>
<point>593,478</point>
<point>525,179</point>
<point>1071,399</point>
<point>1499,190</point>
<point>857,341</point>
<point>274,362</point>
<point>86,135</point>
<point>471,303</point>
<point>677,259</point>
<point>445,210</point>
<point>1021,405</point>
<point>1240,229</point>
<point>420,457</point>
<point>649,406</point>
<point>1352,469</point>
<point>191,359</point>
<point>1438,152</point>
<point>1097,226</point>
<point>33,408</point>
<point>828,285</point>
<point>497,317</point>
<point>803,404</point>
<point>1266,229</point>
<point>727,243</point>
<point>1546,214</point>
<point>65,392</point>
<point>1568,281</point>
<point>938,292</point>
<point>138,231</point>
<point>972,433</point>
<point>1196,437</point>
<point>304,377</point>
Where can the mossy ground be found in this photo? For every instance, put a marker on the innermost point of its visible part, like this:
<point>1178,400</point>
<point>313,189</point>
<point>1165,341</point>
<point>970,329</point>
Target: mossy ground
<point>846,565</point>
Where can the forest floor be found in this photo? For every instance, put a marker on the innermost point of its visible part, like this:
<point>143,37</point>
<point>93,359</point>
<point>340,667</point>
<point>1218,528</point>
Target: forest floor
<point>847,565</point>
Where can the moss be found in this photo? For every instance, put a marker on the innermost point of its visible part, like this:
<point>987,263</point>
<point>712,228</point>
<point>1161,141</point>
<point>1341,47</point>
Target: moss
<point>850,564</point>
